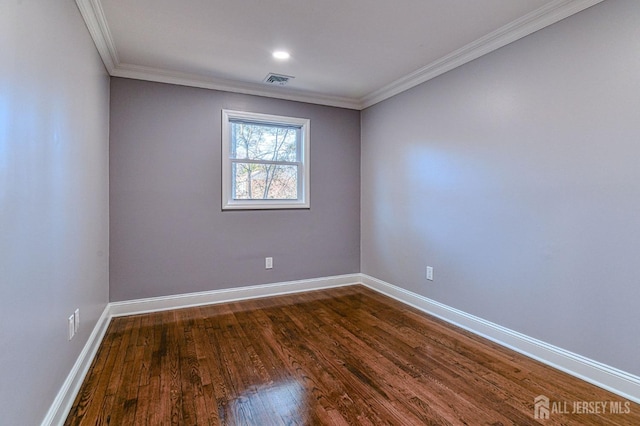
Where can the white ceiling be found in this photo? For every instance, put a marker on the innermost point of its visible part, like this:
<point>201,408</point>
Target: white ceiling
<point>348,53</point>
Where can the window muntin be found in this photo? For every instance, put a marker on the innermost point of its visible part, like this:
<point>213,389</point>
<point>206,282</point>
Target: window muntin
<point>265,161</point>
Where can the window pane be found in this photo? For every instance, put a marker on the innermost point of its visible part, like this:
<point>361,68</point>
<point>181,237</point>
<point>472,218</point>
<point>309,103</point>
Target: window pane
<point>264,142</point>
<point>264,181</point>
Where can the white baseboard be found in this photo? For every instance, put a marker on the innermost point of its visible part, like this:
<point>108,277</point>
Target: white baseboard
<point>617,381</point>
<point>156,304</point>
<point>63,402</point>
<point>61,406</point>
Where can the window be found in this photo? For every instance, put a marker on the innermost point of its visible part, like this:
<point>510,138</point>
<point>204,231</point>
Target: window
<point>265,161</point>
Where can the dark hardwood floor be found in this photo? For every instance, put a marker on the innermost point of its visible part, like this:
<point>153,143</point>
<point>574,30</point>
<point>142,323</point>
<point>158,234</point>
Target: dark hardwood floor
<point>344,356</point>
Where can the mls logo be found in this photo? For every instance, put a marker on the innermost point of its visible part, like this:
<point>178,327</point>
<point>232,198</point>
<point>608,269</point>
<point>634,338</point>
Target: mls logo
<point>541,407</point>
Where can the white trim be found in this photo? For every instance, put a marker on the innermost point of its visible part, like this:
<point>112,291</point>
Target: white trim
<point>63,402</point>
<point>303,142</point>
<point>619,382</point>
<point>522,27</point>
<point>612,379</point>
<point>257,89</point>
<point>93,15</point>
<point>548,14</point>
<point>156,304</point>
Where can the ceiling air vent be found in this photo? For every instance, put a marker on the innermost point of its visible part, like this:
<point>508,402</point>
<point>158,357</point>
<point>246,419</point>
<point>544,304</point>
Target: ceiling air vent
<point>277,79</point>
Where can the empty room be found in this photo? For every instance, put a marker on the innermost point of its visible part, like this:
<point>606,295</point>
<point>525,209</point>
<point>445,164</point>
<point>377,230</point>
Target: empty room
<point>315,212</point>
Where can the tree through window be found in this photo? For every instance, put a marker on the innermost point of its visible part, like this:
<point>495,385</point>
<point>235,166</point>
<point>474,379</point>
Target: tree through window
<point>264,161</point>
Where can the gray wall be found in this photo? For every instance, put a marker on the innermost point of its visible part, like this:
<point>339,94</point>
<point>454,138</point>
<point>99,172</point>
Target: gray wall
<point>168,233</point>
<point>517,176</point>
<point>54,96</point>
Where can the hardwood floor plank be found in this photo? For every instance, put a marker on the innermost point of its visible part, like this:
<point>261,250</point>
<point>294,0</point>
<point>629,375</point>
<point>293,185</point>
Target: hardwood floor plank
<point>144,356</point>
<point>158,400</point>
<point>127,395</point>
<point>378,368</point>
<point>99,408</point>
<point>90,390</point>
<point>311,363</point>
<point>289,383</point>
<point>437,372</point>
<point>350,368</point>
<point>304,382</point>
<point>193,400</point>
<point>344,356</point>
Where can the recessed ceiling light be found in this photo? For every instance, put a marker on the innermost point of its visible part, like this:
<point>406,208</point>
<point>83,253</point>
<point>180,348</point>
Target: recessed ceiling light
<point>281,54</point>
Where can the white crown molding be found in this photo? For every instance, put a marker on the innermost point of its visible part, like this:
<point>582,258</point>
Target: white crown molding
<point>612,379</point>
<point>93,15</point>
<point>515,30</point>
<point>551,13</point>
<point>192,80</point>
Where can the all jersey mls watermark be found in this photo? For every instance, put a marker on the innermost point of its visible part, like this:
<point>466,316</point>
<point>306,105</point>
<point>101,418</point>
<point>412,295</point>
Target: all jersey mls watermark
<point>543,408</point>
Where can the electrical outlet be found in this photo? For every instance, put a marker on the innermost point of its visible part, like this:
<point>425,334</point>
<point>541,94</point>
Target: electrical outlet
<point>71,326</point>
<point>76,320</point>
<point>430,273</point>
<point>268,263</point>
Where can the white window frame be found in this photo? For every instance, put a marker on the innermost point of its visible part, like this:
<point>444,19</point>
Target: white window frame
<point>228,203</point>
